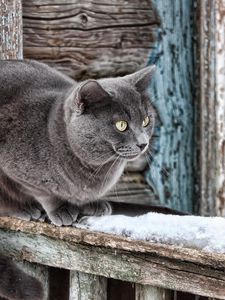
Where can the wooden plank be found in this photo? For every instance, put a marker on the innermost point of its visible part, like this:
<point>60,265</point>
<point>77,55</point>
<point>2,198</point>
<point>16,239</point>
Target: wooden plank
<point>115,242</point>
<point>211,56</point>
<point>87,286</point>
<point>146,292</point>
<point>11,36</point>
<point>172,174</point>
<point>116,257</point>
<point>90,38</point>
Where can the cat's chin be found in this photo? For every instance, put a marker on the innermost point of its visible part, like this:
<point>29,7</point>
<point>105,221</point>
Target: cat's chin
<point>128,157</point>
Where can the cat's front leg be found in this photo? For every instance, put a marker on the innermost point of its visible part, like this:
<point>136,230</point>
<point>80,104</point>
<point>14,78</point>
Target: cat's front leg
<point>27,212</point>
<point>60,213</point>
<point>97,208</point>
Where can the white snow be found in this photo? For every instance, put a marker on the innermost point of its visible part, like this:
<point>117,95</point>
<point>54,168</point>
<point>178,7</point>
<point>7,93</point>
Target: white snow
<point>204,233</point>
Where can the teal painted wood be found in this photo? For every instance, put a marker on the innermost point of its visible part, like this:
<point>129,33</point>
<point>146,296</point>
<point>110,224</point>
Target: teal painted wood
<point>171,173</point>
<point>11,34</point>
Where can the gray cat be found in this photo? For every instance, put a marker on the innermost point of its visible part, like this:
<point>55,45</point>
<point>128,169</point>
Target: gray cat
<point>64,144</point>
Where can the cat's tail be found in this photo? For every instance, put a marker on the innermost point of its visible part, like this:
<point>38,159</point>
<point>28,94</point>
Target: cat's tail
<point>16,284</point>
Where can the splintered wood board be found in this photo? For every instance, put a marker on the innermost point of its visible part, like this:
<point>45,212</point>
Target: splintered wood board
<point>118,257</point>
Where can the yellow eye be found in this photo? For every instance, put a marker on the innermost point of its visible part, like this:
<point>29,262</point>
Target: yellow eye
<point>121,125</point>
<point>145,122</point>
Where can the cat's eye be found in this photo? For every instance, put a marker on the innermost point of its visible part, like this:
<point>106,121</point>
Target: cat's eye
<point>145,122</point>
<point>121,125</point>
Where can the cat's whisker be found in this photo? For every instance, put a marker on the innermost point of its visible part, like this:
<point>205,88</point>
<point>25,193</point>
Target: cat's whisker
<point>152,167</point>
<point>162,169</point>
<point>126,186</point>
<point>108,172</point>
<point>94,174</point>
<point>99,157</point>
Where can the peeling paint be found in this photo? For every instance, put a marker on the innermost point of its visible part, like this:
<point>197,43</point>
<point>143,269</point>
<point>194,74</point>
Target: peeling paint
<point>172,91</point>
<point>11,37</point>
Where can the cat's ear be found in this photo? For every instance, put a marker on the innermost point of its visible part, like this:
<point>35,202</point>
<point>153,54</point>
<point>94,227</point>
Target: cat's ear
<point>89,94</point>
<point>141,79</point>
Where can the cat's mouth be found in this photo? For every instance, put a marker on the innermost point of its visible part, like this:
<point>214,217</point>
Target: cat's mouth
<point>124,153</point>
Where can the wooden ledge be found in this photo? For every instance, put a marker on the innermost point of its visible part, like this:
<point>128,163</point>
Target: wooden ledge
<point>87,237</point>
<point>114,256</point>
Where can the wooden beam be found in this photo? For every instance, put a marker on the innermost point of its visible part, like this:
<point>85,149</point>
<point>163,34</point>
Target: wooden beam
<point>11,33</point>
<point>172,173</point>
<point>146,292</point>
<point>116,257</point>
<point>211,135</point>
<point>87,286</point>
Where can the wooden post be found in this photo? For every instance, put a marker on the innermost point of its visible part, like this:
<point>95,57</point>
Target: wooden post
<point>172,173</point>
<point>147,292</point>
<point>11,37</point>
<point>211,118</point>
<point>87,286</point>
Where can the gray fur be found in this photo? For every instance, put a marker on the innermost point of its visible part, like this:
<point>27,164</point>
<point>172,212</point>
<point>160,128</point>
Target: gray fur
<point>59,147</point>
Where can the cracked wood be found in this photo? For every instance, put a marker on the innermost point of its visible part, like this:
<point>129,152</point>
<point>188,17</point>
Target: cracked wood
<point>116,257</point>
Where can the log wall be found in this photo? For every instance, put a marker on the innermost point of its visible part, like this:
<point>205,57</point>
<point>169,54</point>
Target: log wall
<point>89,38</point>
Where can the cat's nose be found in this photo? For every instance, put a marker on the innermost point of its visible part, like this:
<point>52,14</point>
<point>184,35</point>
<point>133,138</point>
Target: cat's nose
<point>141,146</point>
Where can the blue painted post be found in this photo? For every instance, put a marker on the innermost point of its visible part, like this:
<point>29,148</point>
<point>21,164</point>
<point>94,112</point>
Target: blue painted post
<point>171,174</point>
<point>11,33</point>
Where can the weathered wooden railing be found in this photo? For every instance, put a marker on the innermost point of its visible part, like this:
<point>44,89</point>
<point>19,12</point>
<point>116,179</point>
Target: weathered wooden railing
<point>93,257</point>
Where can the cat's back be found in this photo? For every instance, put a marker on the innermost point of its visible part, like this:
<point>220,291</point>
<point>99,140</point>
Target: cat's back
<point>28,92</point>
<point>22,80</point>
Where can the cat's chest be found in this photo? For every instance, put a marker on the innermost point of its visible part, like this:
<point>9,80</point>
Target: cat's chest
<point>97,182</point>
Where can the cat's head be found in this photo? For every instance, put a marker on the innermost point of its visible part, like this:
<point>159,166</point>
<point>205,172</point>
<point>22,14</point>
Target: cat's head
<point>111,117</point>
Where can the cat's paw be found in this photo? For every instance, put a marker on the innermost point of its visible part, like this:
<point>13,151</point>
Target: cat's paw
<point>28,214</point>
<point>65,215</point>
<point>98,208</point>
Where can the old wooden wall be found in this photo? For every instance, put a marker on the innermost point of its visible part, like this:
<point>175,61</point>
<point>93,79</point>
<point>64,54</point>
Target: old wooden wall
<point>172,171</point>
<point>90,38</point>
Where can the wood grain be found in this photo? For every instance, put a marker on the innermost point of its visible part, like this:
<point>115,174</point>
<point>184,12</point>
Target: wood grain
<point>211,133</point>
<point>132,188</point>
<point>116,257</point>
<point>11,34</point>
<point>87,286</point>
<point>90,38</point>
<point>172,172</point>
<point>146,292</point>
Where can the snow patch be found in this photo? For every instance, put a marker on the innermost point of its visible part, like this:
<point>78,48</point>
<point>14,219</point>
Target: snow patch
<point>203,233</point>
